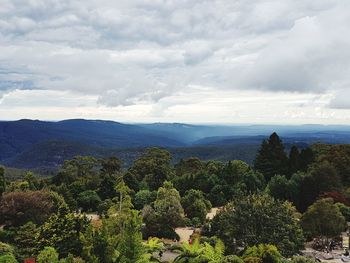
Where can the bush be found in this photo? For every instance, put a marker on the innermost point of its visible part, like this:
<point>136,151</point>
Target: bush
<point>9,258</point>
<point>88,200</point>
<point>5,249</point>
<point>48,255</point>
<point>233,259</point>
<point>267,253</point>
<point>300,259</point>
<point>252,260</point>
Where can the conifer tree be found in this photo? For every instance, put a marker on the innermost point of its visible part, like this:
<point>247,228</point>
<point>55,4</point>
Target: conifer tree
<point>271,158</point>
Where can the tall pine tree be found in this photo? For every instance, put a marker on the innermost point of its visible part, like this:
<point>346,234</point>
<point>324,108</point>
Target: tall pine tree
<point>294,159</point>
<point>271,158</point>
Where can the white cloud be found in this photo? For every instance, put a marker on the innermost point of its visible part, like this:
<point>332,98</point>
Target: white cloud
<point>125,53</point>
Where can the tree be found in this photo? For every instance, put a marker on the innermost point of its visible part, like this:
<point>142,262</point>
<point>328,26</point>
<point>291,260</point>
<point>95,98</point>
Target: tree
<point>271,158</point>
<point>281,188</point>
<point>323,220</point>
<point>18,208</point>
<point>153,167</point>
<point>25,240</point>
<point>195,205</point>
<point>256,219</point>
<point>144,197</point>
<point>2,181</point>
<point>321,177</point>
<point>345,211</point>
<point>62,231</point>
<point>166,213</point>
<point>294,159</point>
<point>8,258</point>
<point>48,255</point>
<point>339,157</point>
<point>6,249</point>
<point>168,205</point>
<point>111,166</point>
<point>191,165</point>
<point>267,253</point>
<point>306,158</point>
<point>130,243</point>
<point>89,200</point>
<point>111,173</point>
<point>32,180</point>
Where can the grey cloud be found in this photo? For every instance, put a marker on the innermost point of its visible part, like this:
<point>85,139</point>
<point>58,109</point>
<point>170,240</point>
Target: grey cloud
<point>129,52</point>
<point>341,100</point>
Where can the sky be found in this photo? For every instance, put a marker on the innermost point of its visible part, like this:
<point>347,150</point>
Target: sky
<point>193,61</point>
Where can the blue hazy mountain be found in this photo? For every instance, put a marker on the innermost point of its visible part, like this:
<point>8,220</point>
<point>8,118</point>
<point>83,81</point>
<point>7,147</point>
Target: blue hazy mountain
<point>33,143</point>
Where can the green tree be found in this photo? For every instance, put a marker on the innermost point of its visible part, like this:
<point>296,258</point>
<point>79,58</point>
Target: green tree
<point>25,240</point>
<point>195,205</point>
<point>88,200</point>
<point>48,255</point>
<point>168,206</point>
<point>294,159</point>
<point>6,249</point>
<point>111,166</point>
<point>2,181</point>
<point>256,219</point>
<point>153,167</point>
<point>62,231</point>
<point>267,253</point>
<point>8,258</point>
<point>166,213</point>
<point>323,219</point>
<point>321,177</point>
<point>111,173</point>
<point>339,157</point>
<point>130,244</point>
<point>281,188</point>
<point>144,197</point>
<point>271,158</point>
<point>306,158</point>
<point>32,180</point>
<point>345,211</point>
<point>119,239</point>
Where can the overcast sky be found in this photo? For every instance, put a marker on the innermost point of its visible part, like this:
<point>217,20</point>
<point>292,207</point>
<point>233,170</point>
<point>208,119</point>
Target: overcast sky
<point>194,61</point>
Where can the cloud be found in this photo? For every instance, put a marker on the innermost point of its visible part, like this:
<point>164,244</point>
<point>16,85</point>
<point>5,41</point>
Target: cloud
<point>341,100</point>
<point>125,53</point>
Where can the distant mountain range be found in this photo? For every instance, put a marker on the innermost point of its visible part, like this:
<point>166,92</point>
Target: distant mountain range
<point>43,144</point>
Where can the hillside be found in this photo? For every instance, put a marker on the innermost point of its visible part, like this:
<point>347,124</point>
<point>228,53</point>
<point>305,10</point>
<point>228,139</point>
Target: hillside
<point>33,144</point>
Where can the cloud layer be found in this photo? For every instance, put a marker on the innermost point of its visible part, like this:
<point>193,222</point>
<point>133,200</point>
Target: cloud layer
<point>129,53</point>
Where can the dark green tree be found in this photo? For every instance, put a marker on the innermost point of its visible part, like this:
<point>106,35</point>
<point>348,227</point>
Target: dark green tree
<point>271,158</point>
<point>88,200</point>
<point>321,177</point>
<point>144,197</point>
<point>25,240</point>
<point>153,167</point>
<point>256,219</point>
<point>294,159</point>
<point>323,219</point>
<point>62,231</point>
<point>2,181</point>
<point>195,205</point>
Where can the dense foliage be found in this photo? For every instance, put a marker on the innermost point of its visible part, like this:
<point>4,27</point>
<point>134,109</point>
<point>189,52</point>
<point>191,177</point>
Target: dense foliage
<point>98,211</point>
